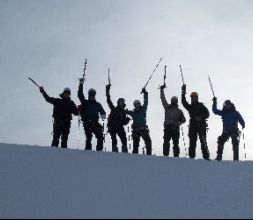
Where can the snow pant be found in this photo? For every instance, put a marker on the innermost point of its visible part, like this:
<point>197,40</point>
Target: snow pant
<point>171,132</point>
<point>61,130</point>
<point>123,137</point>
<point>94,128</point>
<point>144,134</point>
<point>195,131</point>
<point>234,134</point>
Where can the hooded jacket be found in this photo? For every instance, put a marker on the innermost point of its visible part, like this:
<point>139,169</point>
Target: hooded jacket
<point>118,116</point>
<point>230,118</point>
<point>63,109</point>
<point>173,115</point>
<point>90,109</point>
<point>139,117</point>
<point>196,110</point>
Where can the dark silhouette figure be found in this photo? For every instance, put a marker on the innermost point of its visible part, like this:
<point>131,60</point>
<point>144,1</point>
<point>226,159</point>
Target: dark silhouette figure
<point>140,128</point>
<point>230,118</point>
<point>64,107</point>
<point>198,124</point>
<point>174,118</point>
<point>90,110</point>
<point>116,122</point>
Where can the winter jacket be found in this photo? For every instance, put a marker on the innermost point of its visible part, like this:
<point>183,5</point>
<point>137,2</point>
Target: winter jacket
<point>173,115</point>
<point>118,116</point>
<point>196,110</point>
<point>139,117</point>
<point>230,118</point>
<point>63,109</point>
<point>90,109</point>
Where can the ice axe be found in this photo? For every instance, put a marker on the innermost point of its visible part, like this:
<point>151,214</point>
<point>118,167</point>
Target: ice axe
<point>182,74</point>
<point>152,74</point>
<point>211,85</point>
<point>36,84</point>
<point>85,68</point>
<point>165,76</point>
<point>109,77</point>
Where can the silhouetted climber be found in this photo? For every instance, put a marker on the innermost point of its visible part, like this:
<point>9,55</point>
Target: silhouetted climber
<point>90,112</point>
<point>230,118</point>
<point>198,124</point>
<point>140,128</point>
<point>116,122</point>
<point>64,107</point>
<point>174,118</point>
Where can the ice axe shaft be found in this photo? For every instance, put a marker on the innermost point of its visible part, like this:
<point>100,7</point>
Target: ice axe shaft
<point>85,69</point>
<point>165,76</point>
<point>211,85</point>
<point>109,77</point>
<point>152,74</point>
<point>182,74</point>
<point>33,82</point>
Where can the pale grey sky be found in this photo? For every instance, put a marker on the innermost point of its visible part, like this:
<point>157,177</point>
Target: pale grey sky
<point>49,40</point>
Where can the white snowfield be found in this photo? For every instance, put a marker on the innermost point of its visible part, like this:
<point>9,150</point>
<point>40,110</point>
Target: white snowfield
<point>38,182</point>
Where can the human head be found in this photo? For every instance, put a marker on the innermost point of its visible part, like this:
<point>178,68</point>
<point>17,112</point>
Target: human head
<point>66,93</point>
<point>92,94</point>
<point>174,100</point>
<point>194,97</point>
<point>137,105</point>
<point>121,103</point>
<point>228,105</point>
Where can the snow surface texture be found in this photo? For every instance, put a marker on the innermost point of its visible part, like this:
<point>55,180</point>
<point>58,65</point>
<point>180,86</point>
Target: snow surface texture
<point>39,182</point>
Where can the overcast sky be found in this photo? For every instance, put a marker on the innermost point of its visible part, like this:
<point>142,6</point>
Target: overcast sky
<point>49,40</point>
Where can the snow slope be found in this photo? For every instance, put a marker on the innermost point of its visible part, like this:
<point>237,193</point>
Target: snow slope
<point>37,182</point>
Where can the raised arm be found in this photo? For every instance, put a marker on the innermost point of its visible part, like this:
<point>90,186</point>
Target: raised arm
<point>108,96</point>
<point>163,99</point>
<point>216,111</point>
<point>184,101</point>
<point>80,92</point>
<point>145,96</point>
<point>49,99</point>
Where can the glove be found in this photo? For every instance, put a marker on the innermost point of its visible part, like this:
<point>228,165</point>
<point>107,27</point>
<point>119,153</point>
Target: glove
<point>214,100</point>
<point>103,117</point>
<point>243,127</point>
<point>108,87</point>
<point>81,81</point>
<point>80,108</point>
<point>163,87</point>
<point>184,89</point>
<point>42,90</point>
<point>144,91</point>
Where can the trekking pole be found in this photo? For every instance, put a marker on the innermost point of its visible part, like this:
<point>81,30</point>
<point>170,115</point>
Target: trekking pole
<point>211,85</point>
<point>104,130</point>
<point>152,74</point>
<point>182,130</point>
<point>36,84</point>
<point>129,138</point>
<point>143,151</point>
<point>244,145</point>
<point>78,133</point>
